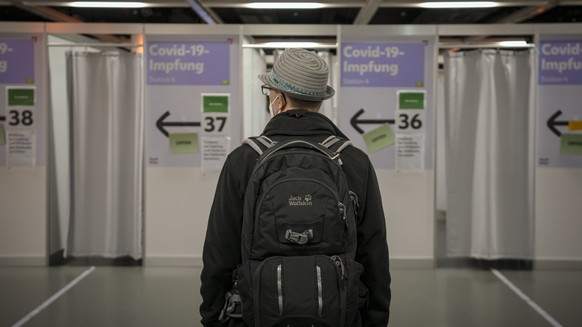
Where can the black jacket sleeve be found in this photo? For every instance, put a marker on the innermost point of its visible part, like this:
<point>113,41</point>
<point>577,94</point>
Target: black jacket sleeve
<point>372,253</point>
<point>221,253</point>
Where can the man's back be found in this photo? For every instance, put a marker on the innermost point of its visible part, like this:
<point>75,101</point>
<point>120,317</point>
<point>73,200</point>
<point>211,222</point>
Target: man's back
<point>222,253</point>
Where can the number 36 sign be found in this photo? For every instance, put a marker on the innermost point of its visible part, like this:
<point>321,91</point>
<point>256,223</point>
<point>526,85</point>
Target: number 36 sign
<point>410,113</point>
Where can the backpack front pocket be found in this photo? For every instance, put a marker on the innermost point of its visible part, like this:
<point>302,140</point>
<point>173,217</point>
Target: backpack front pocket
<point>299,291</point>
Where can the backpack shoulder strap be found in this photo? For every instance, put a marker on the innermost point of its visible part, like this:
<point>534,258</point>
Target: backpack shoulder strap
<point>260,143</point>
<point>335,143</point>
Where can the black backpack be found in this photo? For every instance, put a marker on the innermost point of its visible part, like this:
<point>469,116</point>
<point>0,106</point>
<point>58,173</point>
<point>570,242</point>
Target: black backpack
<point>298,238</point>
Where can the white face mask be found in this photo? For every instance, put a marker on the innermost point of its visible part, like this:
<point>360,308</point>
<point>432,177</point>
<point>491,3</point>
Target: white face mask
<point>271,110</point>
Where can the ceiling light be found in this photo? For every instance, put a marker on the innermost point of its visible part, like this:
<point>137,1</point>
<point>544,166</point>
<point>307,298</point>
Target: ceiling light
<point>513,44</point>
<point>285,45</point>
<point>107,4</point>
<point>458,4</point>
<point>285,5</point>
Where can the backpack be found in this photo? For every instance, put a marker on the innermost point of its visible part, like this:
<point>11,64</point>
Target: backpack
<point>298,239</point>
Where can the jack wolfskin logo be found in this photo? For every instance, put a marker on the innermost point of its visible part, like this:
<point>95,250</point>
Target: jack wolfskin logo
<point>298,200</point>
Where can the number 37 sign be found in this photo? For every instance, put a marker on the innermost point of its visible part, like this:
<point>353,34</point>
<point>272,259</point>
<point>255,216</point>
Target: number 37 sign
<point>215,112</point>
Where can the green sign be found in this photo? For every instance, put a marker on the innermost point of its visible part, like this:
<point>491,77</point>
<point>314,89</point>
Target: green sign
<point>2,137</point>
<point>183,143</point>
<point>20,97</point>
<point>215,103</point>
<point>379,138</point>
<point>411,100</point>
<point>571,144</point>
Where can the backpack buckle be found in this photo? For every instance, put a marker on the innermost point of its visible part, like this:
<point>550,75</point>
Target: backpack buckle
<point>299,238</point>
<point>232,307</point>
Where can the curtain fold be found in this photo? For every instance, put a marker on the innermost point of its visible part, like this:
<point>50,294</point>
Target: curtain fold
<point>105,99</point>
<point>489,144</point>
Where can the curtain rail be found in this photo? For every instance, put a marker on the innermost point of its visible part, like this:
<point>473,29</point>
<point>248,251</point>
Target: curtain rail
<point>261,46</point>
<point>96,45</point>
<point>483,46</point>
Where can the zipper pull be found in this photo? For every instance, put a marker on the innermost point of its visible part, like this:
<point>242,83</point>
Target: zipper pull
<point>355,201</point>
<point>342,211</point>
<point>338,263</point>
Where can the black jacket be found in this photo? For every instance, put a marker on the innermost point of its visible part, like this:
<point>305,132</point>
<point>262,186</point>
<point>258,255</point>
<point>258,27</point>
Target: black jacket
<point>222,251</point>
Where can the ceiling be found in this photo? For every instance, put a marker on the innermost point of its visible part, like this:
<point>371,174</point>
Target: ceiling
<point>360,12</point>
<point>371,12</point>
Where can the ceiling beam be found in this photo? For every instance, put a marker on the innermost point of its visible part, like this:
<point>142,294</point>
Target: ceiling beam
<point>519,16</point>
<point>527,13</point>
<point>57,16</point>
<point>207,14</point>
<point>362,3</point>
<point>367,12</point>
<point>47,13</point>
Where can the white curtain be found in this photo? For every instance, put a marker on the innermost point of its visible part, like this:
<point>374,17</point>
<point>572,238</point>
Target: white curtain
<point>490,148</point>
<point>105,98</point>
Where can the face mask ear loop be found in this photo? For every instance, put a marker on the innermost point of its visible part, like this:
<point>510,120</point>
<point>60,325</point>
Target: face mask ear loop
<point>271,109</point>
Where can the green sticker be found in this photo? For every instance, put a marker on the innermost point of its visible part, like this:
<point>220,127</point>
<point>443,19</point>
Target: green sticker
<point>571,144</point>
<point>2,137</point>
<point>379,138</point>
<point>411,100</point>
<point>21,97</point>
<point>215,103</point>
<point>183,143</point>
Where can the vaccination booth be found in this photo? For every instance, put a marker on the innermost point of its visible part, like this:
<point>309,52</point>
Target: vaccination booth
<point>112,136</point>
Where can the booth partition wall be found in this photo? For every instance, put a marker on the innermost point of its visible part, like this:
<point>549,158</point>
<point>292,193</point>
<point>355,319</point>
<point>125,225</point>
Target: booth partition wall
<point>139,130</point>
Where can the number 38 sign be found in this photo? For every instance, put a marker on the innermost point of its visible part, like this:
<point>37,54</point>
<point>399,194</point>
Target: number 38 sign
<point>21,102</point>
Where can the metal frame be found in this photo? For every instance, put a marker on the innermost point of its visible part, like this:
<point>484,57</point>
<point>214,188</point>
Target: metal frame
<point>254,30</point>
<point>248,32</point>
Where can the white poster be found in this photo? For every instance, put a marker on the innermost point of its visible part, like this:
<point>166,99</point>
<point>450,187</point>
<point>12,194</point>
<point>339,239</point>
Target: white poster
<point>20,148</point>
<point>410,152</point>
<point>215,149</point>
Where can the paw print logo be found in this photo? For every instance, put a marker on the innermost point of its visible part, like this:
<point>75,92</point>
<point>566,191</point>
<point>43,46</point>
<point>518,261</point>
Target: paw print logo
<point>307,197</point>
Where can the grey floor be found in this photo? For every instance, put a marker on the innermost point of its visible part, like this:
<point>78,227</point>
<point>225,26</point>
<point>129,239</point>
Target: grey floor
<point>151,296</point>
<point>452,295</point>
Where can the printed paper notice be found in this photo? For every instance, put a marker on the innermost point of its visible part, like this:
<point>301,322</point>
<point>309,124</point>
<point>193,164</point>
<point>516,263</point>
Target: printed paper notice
<point>183,143</point>
<point>379,138</point>
<point>214,152</point>
<point>571,144</point>
<point>410,152</point>
<point>20,149</point>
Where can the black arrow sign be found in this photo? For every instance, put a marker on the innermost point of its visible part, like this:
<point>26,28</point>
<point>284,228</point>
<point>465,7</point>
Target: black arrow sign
<point>355,121</point>
<point>552,123</point>
<point>160,124</point>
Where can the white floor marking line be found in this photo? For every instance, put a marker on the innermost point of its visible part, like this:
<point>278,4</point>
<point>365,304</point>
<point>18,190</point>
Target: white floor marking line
<point>53,298</point>
<point>527,300</point>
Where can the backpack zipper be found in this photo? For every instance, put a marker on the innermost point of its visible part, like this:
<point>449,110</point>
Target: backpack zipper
<point>355,202</point>
<point>274,154</point>
<point>328,153</point>
<point>280,288</point>
<point>337,260</point>
<point>319,291</point>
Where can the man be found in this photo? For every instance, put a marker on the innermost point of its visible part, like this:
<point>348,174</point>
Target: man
<point>295,87</point>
